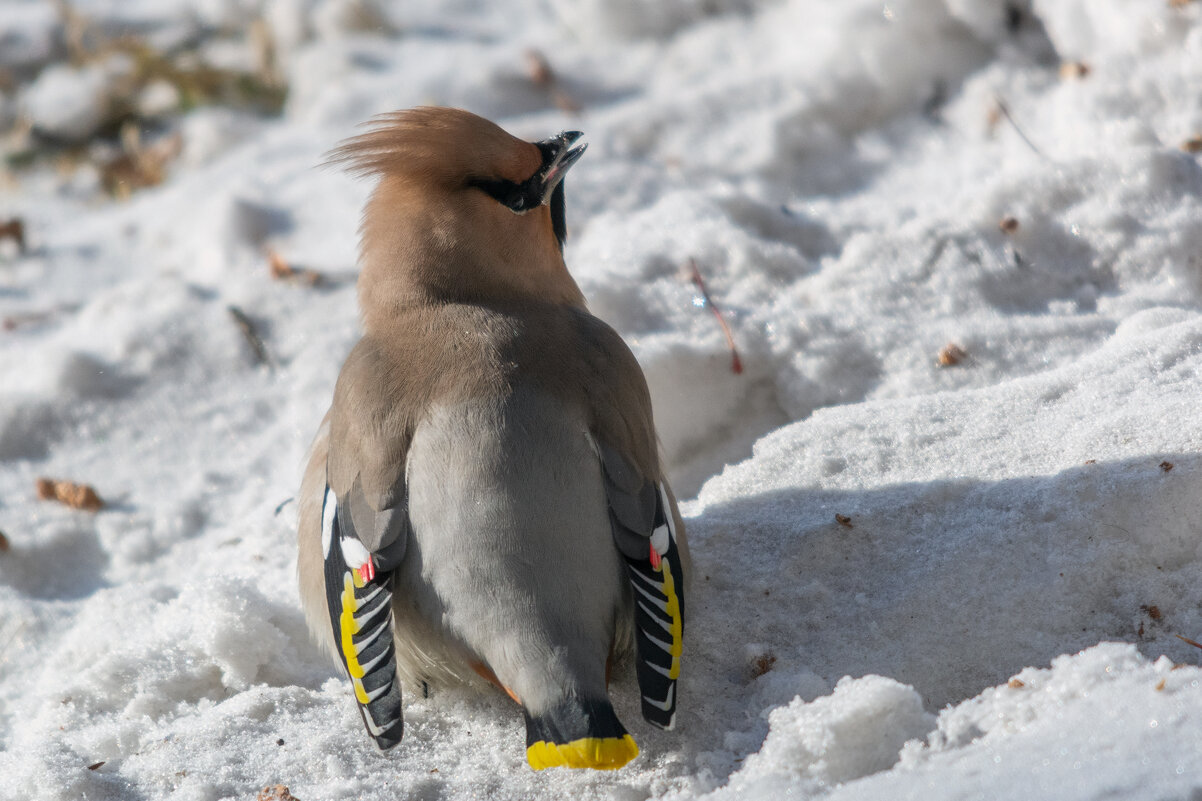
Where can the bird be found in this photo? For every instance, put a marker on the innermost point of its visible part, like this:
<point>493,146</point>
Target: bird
<point>485,503</point>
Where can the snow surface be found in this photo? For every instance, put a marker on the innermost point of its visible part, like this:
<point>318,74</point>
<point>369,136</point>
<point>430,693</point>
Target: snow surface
<point>995,617</point>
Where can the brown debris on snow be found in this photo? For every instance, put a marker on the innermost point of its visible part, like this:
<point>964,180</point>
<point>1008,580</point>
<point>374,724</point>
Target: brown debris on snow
<point>1074,70</point>
<point>762,664</point>
<point>77,496</point>
<point>14,229</point>
<point>693,273</point>
<point>281,270</point>
<point>950,355</point>
<point>538,69</point>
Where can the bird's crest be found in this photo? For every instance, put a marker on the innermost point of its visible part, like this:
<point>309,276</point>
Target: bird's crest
<point>436,143</point>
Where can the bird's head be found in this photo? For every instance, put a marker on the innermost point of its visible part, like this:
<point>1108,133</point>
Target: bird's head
<point>463,212</point>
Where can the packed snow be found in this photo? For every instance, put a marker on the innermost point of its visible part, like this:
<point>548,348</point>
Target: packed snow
<point>946,522</point>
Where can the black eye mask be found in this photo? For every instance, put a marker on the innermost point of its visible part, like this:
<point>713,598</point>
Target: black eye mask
<point>514,196</point>
<point>531,193</point>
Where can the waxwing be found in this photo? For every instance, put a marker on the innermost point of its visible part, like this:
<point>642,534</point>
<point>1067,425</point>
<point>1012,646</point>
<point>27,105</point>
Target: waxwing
<point>484,501</point>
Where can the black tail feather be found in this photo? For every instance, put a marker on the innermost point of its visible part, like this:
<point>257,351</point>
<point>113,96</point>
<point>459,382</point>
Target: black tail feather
<point>578,733</point>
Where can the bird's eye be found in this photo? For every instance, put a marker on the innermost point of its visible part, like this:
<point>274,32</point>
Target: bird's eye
<point>507,193</point>
<point>514,196</point>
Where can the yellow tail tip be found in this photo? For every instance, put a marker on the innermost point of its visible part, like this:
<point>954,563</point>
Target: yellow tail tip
<point>599,753</point>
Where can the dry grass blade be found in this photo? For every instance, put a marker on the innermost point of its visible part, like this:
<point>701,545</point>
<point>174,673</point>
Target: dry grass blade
<point>196,81</point>
<point>4,646</point>
<point>247,327</point>
<point>1004,111</point>
<point>15,321</point>
<point>1188,641</point>
<point>736,364</point>
<point>199,83</point>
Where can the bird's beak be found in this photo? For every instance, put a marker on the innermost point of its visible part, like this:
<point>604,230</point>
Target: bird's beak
<point>558,158</point>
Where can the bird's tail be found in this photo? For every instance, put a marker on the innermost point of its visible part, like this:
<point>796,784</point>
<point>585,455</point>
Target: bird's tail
<point>578,733</point>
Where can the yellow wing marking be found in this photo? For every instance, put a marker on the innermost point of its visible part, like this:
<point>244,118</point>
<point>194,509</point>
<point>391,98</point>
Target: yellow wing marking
<point>676,629</point>
<point>349,627</point>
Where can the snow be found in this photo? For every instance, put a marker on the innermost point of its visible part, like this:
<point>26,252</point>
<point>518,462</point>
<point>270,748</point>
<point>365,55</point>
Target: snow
<point>68,103</point>
<point>910,580</point>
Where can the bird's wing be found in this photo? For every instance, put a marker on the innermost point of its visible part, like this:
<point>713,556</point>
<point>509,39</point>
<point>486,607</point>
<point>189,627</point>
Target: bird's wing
<point>645,531</point>
<point>646,527</point>
<point>364,535</point>
<point>359,598</point>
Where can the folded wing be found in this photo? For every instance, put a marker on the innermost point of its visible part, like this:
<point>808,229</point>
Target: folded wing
<point>358,584</point>
<point>644,530</point>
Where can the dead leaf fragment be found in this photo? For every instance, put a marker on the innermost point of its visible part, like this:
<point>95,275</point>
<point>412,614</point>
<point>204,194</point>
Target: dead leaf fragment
<point>1008,224</point>
<point>1166,466</point>
<point>950,355</point>
<point>1016,683</point>
<point>1192,145</point>
<point>14,229</point>
<point>1153,611</point>
<point>1160,685</point>
<point>3,543</point>
<point>762,664</point>
<point>96,765</point>
<point>77,496</point>
<point>538,69</point>
<point>1179,3</point>
<point>843,520</point>
<point>281,270</point>
<point>1074,70</point>
<point>277,792</point>
<point>139,165</point>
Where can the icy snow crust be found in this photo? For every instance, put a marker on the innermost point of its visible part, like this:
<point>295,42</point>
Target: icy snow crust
<point>1022,532</point>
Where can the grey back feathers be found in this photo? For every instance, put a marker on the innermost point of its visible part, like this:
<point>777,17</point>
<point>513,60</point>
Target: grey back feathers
<point>513,549</point>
